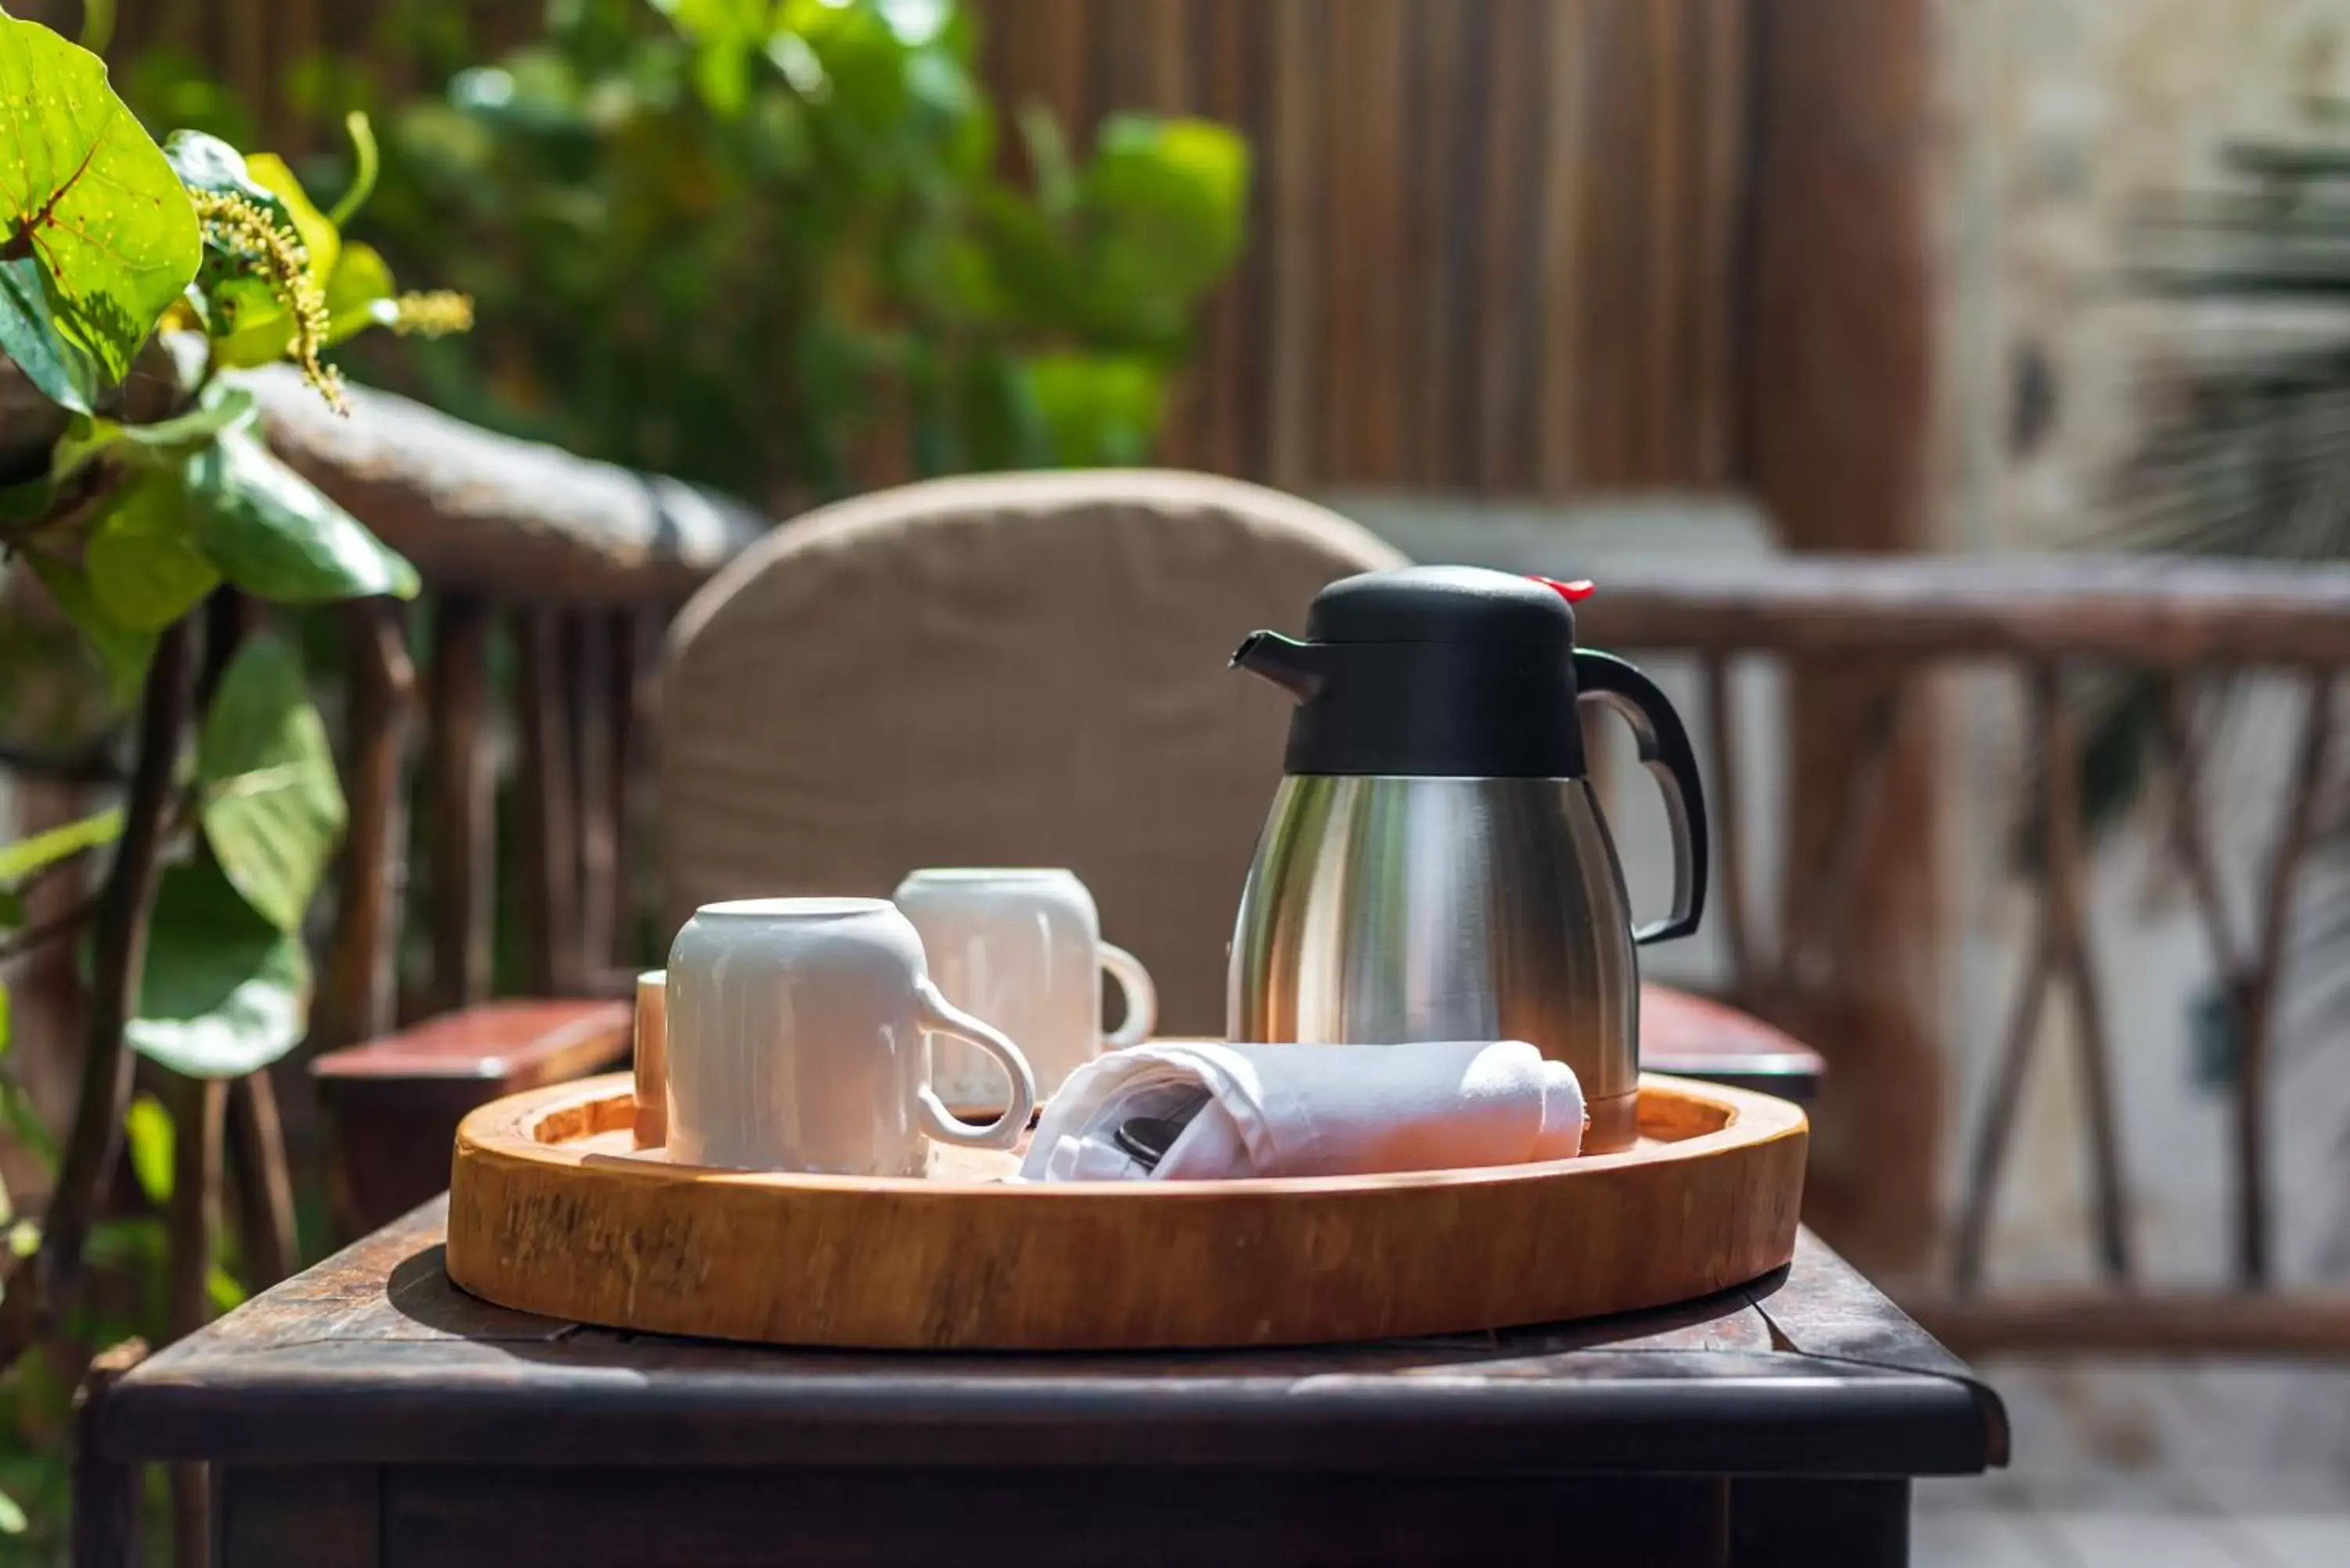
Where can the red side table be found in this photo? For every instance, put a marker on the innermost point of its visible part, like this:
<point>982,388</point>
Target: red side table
<point>396,1101</point>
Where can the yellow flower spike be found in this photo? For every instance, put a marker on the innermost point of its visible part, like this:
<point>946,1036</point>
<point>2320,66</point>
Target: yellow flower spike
<point>435,313</point>
<point>237,225</point>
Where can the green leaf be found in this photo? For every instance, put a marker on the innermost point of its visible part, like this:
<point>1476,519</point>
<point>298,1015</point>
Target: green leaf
<point>144,568</point>
<point>86,436</point>
<point>88,192</point>
<point>224,408</point>
<point>12,1516</point>
<point>1048,155</point>
<point>1102,411</point>
<point>21,504</point>
<point>207,164</point>
<point>27,855</point>
<point>12,915</point>
<point>29,336</point>
<point>272,808</point>
<point>160,446</point>
<point>221,1287</point>
<point>121,650</point>
<point>916,24</point>
<point>1035,264</point>
<point>361,294</point>
<point>1185,180</point>
<point>23,1118</point>
<point>148,1128</point>
<point>742,22</point>
<point>249,323</point>
<point>224,992</point>
<point>128,1243</point>
<point>1162,207</point>
<point>722,75</point>
<point>272,533</point>
<point>319,236</point>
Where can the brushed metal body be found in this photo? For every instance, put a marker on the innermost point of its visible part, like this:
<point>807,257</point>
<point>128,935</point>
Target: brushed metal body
<point>1388,910</point>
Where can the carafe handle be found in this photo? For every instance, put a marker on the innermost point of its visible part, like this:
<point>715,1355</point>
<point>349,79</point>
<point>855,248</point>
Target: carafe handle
<point>1665,753</point>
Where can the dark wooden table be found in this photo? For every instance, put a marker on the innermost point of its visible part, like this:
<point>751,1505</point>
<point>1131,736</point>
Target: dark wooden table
<point>368,1413</point>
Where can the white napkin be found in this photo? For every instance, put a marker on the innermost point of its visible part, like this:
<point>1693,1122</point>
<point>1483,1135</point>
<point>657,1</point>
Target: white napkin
<point>1312,1110</point>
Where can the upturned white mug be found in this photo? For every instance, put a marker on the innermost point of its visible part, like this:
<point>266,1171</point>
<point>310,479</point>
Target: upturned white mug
<point>1023,947</point>
<point>796,1034</point>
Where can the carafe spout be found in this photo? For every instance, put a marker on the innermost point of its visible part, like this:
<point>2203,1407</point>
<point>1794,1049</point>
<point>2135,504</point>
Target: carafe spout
<point>1293,666</point>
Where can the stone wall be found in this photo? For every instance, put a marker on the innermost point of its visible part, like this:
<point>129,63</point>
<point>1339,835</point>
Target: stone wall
<point>2059,116</point>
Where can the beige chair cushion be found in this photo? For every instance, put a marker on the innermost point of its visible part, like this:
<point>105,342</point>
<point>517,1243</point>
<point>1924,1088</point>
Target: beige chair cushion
<point>1024,669</point>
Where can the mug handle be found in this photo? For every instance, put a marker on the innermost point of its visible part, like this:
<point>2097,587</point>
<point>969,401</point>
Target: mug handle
<point>1142,997</point>
<point>940,1016</point>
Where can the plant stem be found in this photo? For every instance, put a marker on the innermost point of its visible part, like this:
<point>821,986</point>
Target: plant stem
<point>230,617</point>
<point>192,1220</point>
<point>90,764</point>
<point>263,1185</point>
<point>18,943</point>
<point>125,907</point>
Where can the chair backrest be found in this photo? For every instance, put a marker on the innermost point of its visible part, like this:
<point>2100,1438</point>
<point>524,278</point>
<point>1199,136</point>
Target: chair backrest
<point>1016,670</point>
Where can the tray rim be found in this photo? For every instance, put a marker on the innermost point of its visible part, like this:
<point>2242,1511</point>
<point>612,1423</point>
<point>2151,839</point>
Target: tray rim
<point>601,1235</point>
<point>502,1130</point>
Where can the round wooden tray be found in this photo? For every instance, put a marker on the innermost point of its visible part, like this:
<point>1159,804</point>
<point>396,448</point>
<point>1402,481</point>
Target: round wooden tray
<point>551,1212</point>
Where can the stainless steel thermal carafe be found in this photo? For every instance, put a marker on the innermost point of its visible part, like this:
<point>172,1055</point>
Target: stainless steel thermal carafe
<point>1435,866</point>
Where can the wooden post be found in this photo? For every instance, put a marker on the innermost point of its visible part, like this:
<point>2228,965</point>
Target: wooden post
<point>547,823</point>
<point>1819,901</point>
<point>2256,991</point>
<point>2061,948</point>
<point>2251,978</point>
<point>1729,824</point>
<point>357,998</point>
<point>462,788</point>
<point>636,686</point>
<point>105,1493</point>
<point>2067,893</point>
<point>587,649</point>
<point>192,1223</point>
<point>1836,358</point>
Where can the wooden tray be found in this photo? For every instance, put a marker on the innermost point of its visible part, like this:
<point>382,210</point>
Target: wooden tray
<point>551,1212</point>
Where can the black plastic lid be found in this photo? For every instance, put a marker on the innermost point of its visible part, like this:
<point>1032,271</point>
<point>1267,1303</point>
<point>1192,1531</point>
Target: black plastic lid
<point>1442,604</point>
<point>1431,671</point>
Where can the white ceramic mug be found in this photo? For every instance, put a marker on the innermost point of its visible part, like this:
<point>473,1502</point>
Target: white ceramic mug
<point>1023,947</point>
<point>650,1061</point>
<point>796,1029</point>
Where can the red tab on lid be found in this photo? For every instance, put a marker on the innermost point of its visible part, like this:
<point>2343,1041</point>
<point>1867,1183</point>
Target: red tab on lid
<point>1574,593</point>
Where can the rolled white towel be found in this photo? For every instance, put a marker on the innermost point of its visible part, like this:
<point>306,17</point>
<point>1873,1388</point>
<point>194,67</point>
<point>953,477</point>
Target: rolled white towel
<point>1311,1110</point>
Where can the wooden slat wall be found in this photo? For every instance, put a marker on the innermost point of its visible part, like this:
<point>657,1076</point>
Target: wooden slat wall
<point>1494,243</point>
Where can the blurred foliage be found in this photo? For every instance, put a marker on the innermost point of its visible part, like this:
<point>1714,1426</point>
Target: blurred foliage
<point>2249,452</point>
<point>2246,450</point>
<point>766,246</point>
<point>2246,454</point>
<point>132,487</point>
